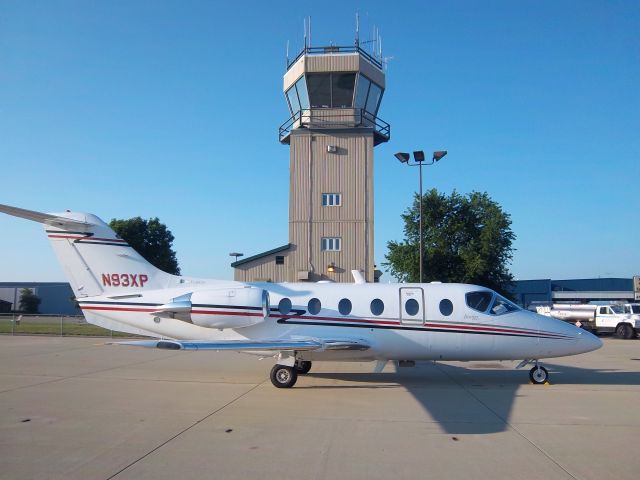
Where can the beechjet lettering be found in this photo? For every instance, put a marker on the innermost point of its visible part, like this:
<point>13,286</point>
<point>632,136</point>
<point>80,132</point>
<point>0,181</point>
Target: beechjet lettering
<point>297,323</point>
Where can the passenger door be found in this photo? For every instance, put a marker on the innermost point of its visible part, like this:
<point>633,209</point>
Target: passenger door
<point>411,305</point>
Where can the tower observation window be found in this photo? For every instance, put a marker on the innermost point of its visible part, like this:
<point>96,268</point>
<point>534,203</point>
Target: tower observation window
<point>298,97</point>
<point>319,89</point>
<point>368,95</point>
<point>303,96</point>
<point>342,89</point>
<point>374,97</point>
<point>331,90</point>
<point>292,97</point>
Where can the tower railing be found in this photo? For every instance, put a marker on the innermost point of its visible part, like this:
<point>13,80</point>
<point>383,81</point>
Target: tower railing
<point>335,49</point>
<point>319,118</point>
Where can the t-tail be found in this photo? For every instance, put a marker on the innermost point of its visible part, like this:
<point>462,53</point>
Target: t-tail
<point>95,260</point>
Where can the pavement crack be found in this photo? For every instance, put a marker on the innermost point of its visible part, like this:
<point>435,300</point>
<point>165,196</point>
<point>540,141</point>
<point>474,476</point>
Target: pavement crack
<point>197,422</point>
<point>84,374</point>
<point>507,423</point>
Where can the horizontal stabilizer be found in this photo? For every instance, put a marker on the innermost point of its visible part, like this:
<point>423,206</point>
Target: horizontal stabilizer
<point>248,345</point>
<point>46,218</point>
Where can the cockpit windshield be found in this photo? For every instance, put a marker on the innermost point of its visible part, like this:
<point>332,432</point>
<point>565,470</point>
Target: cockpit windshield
<point>501,306</point>
<point>479,301</point>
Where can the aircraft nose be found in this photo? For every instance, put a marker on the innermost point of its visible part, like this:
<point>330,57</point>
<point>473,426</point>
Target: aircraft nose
<point>588,342</point>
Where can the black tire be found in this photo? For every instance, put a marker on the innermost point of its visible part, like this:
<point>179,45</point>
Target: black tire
<point>283,376</point>
<point>538,375</point>
<point>303,367</point>
<point>625,331</point>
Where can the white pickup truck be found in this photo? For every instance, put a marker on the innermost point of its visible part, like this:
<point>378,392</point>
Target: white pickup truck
<point>621,319</point>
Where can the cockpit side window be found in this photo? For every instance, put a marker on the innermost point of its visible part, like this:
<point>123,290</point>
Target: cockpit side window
<point>479,300</point>
<point>501,306</point>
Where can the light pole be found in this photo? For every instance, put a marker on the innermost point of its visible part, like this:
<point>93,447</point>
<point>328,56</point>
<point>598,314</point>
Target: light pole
<point>419,159</point>
<point>236,255</point>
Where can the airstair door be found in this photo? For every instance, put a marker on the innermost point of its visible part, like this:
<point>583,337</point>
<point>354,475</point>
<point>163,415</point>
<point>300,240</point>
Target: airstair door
<point>411,305</point>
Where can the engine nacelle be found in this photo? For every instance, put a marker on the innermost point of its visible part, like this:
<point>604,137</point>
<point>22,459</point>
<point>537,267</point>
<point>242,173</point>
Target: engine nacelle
<point>229,307</point>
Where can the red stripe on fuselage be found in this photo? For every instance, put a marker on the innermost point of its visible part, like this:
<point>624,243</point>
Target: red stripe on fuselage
<point>118,309</point>
<point>345,321</point>
<point>218,312</point>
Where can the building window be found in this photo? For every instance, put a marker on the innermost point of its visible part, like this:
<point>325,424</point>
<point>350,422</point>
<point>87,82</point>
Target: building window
<point>330,244</point>
<point>279,259</point>
<point>331,199</point>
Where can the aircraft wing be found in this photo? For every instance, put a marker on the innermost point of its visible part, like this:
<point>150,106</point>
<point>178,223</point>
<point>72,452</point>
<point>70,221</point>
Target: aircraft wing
<point>248,345</point>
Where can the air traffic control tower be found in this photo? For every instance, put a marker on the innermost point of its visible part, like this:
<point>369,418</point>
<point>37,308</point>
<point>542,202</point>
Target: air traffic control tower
<point>333,94</point>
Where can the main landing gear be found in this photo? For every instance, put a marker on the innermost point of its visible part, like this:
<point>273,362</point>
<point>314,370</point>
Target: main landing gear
<point>284,376</point>
<point>538,374</point>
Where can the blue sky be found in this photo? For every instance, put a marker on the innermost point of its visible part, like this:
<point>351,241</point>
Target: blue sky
<point>171,109</point>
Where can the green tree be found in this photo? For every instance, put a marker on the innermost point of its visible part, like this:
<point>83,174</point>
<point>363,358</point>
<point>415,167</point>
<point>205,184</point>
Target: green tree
<point>151,239</point>
<point>466,239</point>
<point>29,301</point>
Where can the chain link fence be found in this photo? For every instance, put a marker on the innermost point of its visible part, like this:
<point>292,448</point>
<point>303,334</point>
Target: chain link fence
<point>61,325</point>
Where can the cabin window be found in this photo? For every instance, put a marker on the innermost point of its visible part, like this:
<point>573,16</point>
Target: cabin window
<point>284,306</point>
<point>412,307</point>
<point>331,199</point>
<point>377,306</point>
<point>314,306</point>
<point>446,307</point>
<point>344,306</point>
<point>479,300</point>
<point>330,244</point>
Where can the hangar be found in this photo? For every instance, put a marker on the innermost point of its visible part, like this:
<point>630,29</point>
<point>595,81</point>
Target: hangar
<point>57,297</point>
<point>528,292</point>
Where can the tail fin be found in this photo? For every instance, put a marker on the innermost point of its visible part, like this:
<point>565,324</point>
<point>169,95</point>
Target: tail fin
<point>95,259</point>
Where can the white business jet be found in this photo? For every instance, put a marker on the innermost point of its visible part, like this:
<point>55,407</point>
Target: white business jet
<point>297,323</point>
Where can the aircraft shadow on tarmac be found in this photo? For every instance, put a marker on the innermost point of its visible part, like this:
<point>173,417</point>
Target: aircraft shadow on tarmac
<point>477,400</point>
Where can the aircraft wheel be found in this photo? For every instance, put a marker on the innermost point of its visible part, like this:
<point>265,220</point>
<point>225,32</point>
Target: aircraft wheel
<point>283,376</point>
<point>303,366</point>
<point>625,331</point>
<point>538,375</point>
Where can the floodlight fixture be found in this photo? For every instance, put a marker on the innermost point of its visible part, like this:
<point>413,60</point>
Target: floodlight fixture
<point>402,156</point>
<point>331,268</point>
<point>418,156</point>
<point>437,155</point>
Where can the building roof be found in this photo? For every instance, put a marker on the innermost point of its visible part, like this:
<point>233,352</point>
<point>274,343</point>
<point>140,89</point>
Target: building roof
<point>261,255</point>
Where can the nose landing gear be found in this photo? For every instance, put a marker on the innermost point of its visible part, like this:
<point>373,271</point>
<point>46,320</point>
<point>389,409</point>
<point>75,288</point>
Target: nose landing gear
<point>538,375</point>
